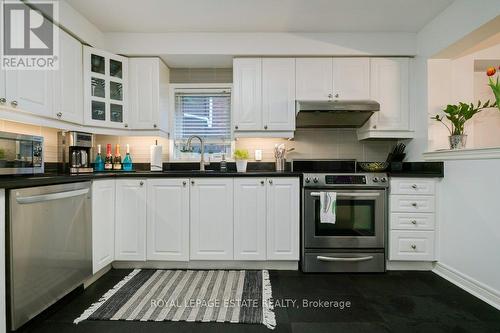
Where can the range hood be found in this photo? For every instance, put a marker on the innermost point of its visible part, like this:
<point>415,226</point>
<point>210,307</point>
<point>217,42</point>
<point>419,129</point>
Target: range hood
<point>334,114</point>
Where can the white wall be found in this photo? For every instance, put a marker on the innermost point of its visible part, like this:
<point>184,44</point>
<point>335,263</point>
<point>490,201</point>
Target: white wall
<point>469,225</point>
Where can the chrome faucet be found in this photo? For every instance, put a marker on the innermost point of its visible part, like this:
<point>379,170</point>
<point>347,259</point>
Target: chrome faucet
<point>202,150</point>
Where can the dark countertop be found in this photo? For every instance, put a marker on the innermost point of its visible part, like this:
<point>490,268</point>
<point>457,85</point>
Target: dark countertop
<point>417,170</point>
<point>19,181</point>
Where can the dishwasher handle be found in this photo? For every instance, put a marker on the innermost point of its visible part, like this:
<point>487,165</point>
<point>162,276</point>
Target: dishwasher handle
<point>51,196</point>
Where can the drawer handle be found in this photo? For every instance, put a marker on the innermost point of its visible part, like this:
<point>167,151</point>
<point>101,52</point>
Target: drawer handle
<point>184,183</point>
<point>414,204</point>
<point>414,222</point>
<point>413,246</point>
<point>323,258</point>
<point>414,186</point>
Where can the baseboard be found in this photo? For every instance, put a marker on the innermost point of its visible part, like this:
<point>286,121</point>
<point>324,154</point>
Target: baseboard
<point>203,264</point>
<point>97,276</point>
<point>472,286</point>
<point>410,265</point>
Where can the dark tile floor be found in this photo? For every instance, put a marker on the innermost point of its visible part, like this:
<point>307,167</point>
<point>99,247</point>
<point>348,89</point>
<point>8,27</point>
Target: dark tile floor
<point>391,302</point>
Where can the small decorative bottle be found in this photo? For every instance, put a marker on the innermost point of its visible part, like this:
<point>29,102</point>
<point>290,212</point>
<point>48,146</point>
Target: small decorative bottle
<point>108,162</point>
<point>99,162</point>
<point>223,163</point>
<point>117,162</point>
<point>127,161</point>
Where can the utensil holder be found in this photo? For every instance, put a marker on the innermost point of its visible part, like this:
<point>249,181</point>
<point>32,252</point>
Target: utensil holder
<point>280,164</point>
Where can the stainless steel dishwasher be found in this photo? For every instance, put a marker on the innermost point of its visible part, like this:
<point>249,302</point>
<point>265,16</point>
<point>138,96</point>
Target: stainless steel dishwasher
<point>50,246</point>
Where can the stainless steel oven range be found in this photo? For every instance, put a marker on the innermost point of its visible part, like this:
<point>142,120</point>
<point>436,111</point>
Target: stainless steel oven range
<point>356,241</point>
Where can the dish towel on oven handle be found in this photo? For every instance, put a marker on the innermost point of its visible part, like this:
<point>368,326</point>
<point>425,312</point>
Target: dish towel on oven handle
<point>328,207</point>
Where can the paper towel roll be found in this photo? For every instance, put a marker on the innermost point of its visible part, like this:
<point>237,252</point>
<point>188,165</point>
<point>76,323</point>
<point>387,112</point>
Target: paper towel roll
<point>156,158</point>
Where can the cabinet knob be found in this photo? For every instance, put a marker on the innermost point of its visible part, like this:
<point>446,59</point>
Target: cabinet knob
<point>236,127</point>
<point>13,103</point>
<point>154,125</point>
<point>265,126</point>
<point>192,182</point>
<point>414,222</point>
<point>184,183</point>
<point>374,126</point>
<point>414,186</point>
<point>126,125</point>
<point>262,182</point>
<point>414,204</point>
<point>270,181</point>
<point>330,96</point>
<point>59,114</point>
<point>337,95</point>
<point>413,246</point>
<point>2,100</point>
<point>141,183</point>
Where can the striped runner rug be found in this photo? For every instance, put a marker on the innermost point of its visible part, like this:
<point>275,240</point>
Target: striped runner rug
<point>232,296</point>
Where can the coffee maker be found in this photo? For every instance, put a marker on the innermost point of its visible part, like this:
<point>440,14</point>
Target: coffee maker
<point>75,151</point>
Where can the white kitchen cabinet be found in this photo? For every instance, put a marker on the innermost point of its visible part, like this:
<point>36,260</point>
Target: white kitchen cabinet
<point>250,218</point>
<point>278,94</point>
<point>103,223</point>
<point>351,78</point>
<point>411,245</point>
<point>211,215</point>
<point>390,86</point>
<point>283,218</point>
<point>130,221</point>
<point>168,219</point>
<point>105,86</point>
<point>30,91</point>
<point>314,79</point>
<point>247,94</point>
<point>68,80</point>
<point>3,298</point>
<point>323,79</point>
<point>148,92</point>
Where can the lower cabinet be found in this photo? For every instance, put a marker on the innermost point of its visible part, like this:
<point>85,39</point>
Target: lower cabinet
<point>130,222</point>
<point>167,220</point>
<point>211,219</point>
<point>283,221</point>
<point>103,223</point>
<point>250,219</point>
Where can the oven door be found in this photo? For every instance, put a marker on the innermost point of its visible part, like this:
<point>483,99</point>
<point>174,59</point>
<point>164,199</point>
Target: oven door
<point>360,219</point>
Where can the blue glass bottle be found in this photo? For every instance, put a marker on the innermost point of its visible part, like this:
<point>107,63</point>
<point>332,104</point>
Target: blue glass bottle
<point>127,161</point>
<point>99,162</point>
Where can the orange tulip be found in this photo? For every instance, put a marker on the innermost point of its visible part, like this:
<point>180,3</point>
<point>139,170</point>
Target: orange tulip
<point>491,71</point>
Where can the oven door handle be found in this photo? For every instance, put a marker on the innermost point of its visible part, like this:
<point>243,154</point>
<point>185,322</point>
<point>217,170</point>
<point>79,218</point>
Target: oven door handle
<point>349,195</point>
<point>323,258</point>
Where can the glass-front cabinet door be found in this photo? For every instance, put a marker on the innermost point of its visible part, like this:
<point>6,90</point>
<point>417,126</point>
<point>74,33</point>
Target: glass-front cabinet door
<point>105,79</point>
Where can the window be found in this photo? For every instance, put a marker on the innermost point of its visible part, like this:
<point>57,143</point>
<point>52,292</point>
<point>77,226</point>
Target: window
<point>205,113</point>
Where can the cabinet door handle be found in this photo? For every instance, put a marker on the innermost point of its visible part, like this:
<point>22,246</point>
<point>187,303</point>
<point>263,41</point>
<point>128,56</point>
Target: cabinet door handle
<point>374,126</point>
<point>414,204</point>
<point>270,181</point>
<point>413,246</point>
<point>236,127</point>
<point>262,182</point>
<point>59,114</point>
<point>154,125</point>
<point>13,103</point>
<point>414,186</point>
<point>2,100</point>
<point>141,183</point>
<point>265,127</point>
<point>192,182</point>
<point>337,95</point>
<point>184,183</point>
<point>414,222</point>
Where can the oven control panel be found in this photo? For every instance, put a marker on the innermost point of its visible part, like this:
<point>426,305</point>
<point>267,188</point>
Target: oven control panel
<point>365,179</point>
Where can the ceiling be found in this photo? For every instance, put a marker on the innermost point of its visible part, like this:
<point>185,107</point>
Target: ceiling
<point>259,15</point>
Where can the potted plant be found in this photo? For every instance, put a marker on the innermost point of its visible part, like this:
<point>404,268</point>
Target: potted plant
<point>241,157</point>
<point>458,115</point>
<point>495,85</point>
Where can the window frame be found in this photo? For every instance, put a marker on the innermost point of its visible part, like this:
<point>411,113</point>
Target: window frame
<point>200,88</point>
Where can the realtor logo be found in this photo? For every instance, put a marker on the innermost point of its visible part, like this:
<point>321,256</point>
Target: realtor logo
<point>29,39</point>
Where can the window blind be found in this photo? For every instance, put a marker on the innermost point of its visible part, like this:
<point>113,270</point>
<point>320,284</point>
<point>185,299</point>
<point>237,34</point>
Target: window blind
<point>204,114</point>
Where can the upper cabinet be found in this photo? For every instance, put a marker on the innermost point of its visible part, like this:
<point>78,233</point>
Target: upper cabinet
<point>324,79</point>
<point>105,89</point>
<point>264,97</point>
<point>68,80</point>
<point>148,92</point>
<point>389,85</point>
